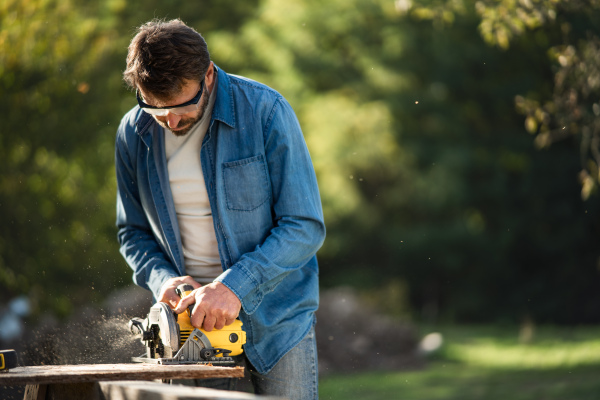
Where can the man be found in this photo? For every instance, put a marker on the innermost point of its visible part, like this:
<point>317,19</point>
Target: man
<point>216,189</point>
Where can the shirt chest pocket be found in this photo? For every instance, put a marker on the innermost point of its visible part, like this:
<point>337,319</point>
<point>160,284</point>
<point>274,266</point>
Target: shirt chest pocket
<point>246,183</point>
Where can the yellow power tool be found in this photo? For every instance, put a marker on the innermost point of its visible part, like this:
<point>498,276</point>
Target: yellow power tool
<point>8,360</point>
<point>171,339</point>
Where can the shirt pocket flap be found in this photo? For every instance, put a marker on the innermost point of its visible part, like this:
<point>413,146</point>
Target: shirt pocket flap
<point>246,183</point>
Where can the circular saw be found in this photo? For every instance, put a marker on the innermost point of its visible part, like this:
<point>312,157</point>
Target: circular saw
<point>171,339</point>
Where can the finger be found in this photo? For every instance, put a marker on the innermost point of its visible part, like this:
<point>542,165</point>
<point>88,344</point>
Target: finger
<point>220,323</point>
<point>198,317</point>
<point>184,303</point>
<point>189,280</point>
<point>170,297</point>
<point>209,323</point>
<point>229,321</point>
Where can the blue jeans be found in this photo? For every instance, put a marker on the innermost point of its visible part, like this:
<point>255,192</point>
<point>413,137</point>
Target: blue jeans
<point>295,376</point>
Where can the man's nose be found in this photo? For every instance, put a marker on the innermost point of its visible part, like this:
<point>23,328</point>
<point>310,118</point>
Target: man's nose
<point>173,120</point>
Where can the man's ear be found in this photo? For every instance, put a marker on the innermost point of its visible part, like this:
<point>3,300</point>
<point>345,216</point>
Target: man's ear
<point>209,78</point>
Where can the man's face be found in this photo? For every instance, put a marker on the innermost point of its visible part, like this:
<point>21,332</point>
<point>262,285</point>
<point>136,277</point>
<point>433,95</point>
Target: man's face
<point>180,125</point>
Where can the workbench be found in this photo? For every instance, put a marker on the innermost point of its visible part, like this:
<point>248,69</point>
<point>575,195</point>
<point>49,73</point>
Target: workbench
<point>93,381</point>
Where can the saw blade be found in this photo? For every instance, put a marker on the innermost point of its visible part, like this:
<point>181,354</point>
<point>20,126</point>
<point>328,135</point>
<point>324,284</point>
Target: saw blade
<point>162,317</point>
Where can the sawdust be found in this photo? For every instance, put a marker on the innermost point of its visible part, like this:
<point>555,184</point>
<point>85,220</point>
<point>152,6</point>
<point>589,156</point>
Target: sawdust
<point>91,336</point>
<point>97,340</point>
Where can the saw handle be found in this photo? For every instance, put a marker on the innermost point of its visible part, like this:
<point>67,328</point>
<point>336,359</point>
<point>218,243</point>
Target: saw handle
<point>183,290</point>
<point>136,326</point>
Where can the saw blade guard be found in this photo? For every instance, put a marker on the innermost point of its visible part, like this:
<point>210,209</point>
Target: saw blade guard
<point>162,320</point>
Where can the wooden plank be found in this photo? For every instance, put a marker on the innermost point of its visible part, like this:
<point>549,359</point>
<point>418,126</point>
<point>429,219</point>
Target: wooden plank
<point>135,390</point>
<point>47,374</point>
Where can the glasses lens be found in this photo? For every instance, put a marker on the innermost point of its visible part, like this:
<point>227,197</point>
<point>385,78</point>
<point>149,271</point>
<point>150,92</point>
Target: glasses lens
<point>184,109</point>
<point>161,112</point>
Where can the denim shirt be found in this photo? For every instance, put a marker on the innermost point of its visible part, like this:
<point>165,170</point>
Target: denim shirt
<point>265,205</point>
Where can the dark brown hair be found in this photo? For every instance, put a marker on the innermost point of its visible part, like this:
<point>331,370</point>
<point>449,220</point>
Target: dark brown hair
<point>162,55</point>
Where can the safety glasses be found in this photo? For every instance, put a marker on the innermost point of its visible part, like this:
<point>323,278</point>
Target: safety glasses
<point>180,109</point>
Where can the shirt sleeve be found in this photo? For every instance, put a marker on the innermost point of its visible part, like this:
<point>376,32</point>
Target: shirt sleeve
<point>299,229</point>
<point>151,268</point>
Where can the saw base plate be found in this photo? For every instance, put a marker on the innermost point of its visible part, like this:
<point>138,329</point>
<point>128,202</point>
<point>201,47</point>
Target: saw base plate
<point>173,361</point>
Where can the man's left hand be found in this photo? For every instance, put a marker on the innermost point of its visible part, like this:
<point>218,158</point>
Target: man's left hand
<point>216,306</point>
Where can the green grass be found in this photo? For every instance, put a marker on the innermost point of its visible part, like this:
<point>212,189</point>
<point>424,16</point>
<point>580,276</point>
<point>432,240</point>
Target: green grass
<point>489,363</point>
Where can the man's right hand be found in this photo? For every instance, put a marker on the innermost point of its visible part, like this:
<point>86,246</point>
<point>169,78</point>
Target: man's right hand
<point>168,294</point>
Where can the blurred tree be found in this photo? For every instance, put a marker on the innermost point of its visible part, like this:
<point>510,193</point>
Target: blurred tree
<point>56,186</point>
<point>573,107</point>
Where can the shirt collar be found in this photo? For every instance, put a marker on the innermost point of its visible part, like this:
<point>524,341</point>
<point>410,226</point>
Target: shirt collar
<point>223,109</point>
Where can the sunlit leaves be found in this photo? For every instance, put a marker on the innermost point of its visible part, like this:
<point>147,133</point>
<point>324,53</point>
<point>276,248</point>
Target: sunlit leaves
<point>502,20</point>
<point>574,107</point>
<point>40,33</point>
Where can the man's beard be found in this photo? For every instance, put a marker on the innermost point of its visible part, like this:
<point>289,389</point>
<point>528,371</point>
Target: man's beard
<point>187,123</point>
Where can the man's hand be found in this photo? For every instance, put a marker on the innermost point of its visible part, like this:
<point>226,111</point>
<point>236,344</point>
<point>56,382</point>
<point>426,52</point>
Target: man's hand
<point>168,294</point>
<point>216,306</point>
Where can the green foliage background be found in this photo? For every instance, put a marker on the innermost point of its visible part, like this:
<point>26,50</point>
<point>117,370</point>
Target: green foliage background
<point>455,143</point>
